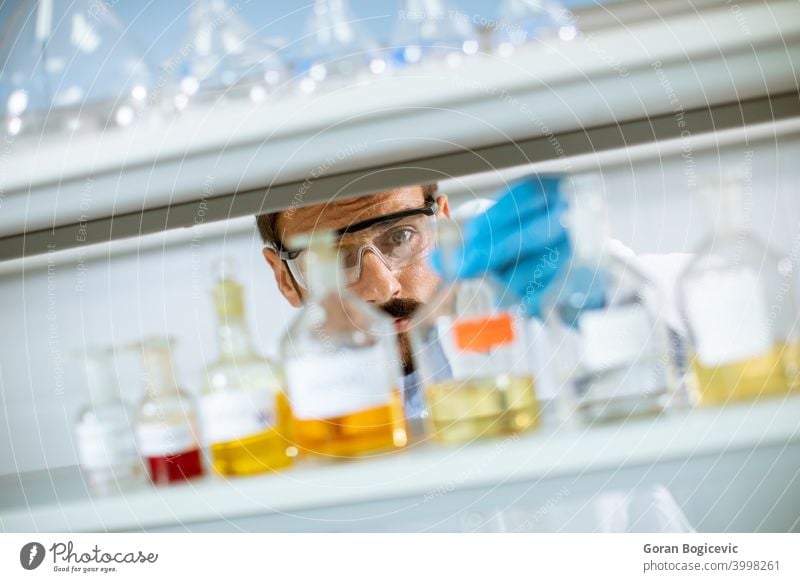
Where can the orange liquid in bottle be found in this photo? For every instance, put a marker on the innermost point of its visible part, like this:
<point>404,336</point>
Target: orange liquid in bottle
<point>372,430</point>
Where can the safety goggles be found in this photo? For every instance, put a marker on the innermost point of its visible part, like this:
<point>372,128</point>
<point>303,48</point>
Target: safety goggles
<point>397,240</point>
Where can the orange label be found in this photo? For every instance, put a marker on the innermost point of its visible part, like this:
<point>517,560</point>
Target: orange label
<point>484,333</point>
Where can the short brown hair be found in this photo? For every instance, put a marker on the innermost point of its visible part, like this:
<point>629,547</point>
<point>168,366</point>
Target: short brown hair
<point>267,223</point>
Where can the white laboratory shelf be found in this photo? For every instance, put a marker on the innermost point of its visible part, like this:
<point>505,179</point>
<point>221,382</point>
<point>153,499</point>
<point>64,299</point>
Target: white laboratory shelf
<point>699,455</point>
<point>667,76</point>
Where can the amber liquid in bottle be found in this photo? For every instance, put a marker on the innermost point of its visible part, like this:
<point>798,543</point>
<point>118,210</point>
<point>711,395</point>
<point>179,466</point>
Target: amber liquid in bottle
<point>367,431</point>
<point>341,365</point>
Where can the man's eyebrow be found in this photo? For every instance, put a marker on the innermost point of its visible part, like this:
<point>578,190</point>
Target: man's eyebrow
<point>389,221</point>
<point>348,201</point>
<point>430,206</point>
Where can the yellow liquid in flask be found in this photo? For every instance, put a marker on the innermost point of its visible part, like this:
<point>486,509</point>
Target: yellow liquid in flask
<point>772,374</point>
<point>461,411</point>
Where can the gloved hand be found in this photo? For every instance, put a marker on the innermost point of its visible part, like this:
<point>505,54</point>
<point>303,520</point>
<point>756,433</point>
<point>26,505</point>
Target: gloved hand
<point>520,240</point>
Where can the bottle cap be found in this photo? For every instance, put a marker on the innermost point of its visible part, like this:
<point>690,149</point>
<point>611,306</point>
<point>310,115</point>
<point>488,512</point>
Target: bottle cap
<point>101,380</point>
<point>157,360</point>
<point>450,240</point>
<point>320,261</point>
<point>228,293</point>
<point>586,217</point>
<point>318,239</point>
<point>725,198</point>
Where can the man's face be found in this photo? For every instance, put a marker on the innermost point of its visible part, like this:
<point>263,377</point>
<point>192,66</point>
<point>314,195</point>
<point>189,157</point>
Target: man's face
<point>398,292</point>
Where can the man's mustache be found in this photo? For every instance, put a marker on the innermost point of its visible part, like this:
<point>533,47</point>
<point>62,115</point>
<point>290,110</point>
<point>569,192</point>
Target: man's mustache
<point>401,308</point>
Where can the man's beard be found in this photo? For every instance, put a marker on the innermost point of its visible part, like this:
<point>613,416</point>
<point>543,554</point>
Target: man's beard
<point>403,308</point>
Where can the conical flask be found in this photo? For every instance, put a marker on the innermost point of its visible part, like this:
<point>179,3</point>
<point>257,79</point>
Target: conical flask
<point>222,57</point>
<point>524,21</point>
<point>70,66</point>
<point>337,50</point>
<point>432,30</point>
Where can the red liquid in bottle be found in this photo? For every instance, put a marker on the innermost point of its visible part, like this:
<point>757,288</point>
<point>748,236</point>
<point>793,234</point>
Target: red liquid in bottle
<point>172,468</point>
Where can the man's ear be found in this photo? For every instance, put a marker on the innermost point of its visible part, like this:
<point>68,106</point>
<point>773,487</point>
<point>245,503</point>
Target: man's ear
<point>282,277</point>
<point>444,207</point>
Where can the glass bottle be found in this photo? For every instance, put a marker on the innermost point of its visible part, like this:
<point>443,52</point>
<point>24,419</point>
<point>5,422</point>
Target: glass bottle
<point>70,66</point>
<point>610,348</point>
<point>738,300</point>
<point>104,436</point>
<point>471,355</point>
<point>342,364</point>
<point>166,424</point>
<point>221,57</point>
<point>429,30</point>
<point>521,21</point>
<point>244,413</point>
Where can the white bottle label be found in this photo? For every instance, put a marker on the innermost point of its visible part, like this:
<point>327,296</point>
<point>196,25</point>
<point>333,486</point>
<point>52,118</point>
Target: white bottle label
<point>615,336</point>
<point>639,378</point>
<point>728,315</point>
<point>103,445</point>
<point>504,357</point>
<point>162,439</point>
<point>324,386</point>
<point>227,416</point>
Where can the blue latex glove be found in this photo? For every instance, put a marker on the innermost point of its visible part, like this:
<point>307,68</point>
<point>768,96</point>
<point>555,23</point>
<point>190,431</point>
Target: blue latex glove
<point>520,240</point>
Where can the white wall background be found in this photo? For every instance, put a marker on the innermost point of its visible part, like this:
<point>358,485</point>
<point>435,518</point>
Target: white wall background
<point>47,312</point>
<point>123,298</point>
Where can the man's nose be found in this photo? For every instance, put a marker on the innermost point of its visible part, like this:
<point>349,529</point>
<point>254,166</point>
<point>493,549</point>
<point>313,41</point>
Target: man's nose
<point>377,284</point>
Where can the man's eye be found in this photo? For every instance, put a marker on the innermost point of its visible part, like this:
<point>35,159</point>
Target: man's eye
<point>401,236</point>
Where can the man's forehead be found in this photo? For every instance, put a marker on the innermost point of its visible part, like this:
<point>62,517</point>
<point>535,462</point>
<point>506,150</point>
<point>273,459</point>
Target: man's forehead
<point>338,214</point>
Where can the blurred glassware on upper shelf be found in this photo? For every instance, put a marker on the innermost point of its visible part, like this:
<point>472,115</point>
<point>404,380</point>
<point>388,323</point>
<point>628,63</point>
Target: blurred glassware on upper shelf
<point>609,347</point>
<point>70,66</point>
<point>104,437</point>
<point>432,30</point>
<point>738,300</point>
<point>221,57</point>
<point>525,21</point>
<point>336,50</point>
